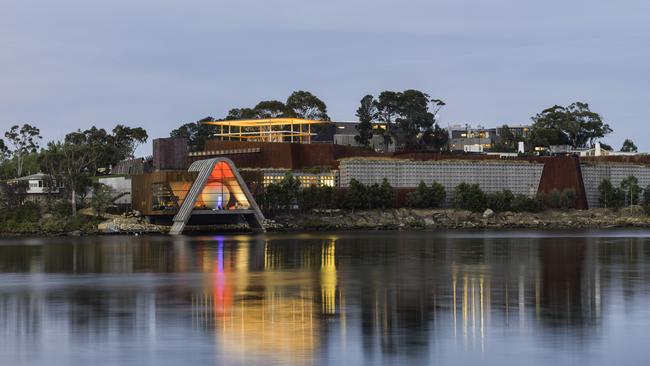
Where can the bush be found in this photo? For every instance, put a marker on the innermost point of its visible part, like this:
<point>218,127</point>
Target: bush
<point>356,195</point>
<point>523,203</point>
<point>316,197</point>
<point>609,196</point>
<point>500,201</point>
<point>568,199</point>
<point>469,197</point>
<point>553,199</point>
<point>426,197</point>
<point>646,200</point>
<point>61,208</point>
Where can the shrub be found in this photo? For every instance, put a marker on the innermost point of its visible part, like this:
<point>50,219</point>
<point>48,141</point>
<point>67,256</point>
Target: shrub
<point>61,208</point>
<point>426,197</point>
<point>609,196</point>
<point>523,203</point>
<point>568,198</point>
<point>553,199</point>
<point>316,197</point>
<point>469,197</point>
<point>500,201</point>
<point>356,195</point>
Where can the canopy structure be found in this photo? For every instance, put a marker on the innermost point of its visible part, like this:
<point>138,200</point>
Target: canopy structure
<point>267,130</point>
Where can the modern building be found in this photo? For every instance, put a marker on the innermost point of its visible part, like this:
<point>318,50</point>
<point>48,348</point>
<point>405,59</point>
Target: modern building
<point>478,139</point>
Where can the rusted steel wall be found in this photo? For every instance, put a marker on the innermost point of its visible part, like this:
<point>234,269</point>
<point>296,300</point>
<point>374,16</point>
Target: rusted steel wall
<point>284,155</point>
<point>564,173</point>
<point>169,153</point>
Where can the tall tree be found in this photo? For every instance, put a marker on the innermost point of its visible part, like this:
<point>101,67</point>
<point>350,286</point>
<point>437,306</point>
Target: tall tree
<point>388,109</point>
<point>575,125</point>
<point>25,140</point>
<point>303,104</point>
<point>127,139</point>
<point>4,151</point>
<point>629,146</point>
<point>196,133</point>
<point>367,112</point>
<point>270,109</point>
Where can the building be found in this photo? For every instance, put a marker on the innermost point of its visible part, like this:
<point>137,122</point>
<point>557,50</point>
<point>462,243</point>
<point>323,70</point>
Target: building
<point>478,139</point>
<point>39,186</point>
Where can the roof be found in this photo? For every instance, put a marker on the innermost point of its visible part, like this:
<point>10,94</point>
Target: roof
<point>266,122</point>
<point>37,176</point>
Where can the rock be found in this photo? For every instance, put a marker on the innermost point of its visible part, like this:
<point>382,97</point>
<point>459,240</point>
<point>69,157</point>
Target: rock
<point>74,233</point>
<point>488,213</point>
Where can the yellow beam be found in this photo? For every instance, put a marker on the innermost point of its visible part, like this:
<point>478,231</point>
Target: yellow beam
<point>267,122</point>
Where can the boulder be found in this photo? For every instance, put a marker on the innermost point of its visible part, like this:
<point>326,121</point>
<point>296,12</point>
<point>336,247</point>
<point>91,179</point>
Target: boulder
<point>488,213</point>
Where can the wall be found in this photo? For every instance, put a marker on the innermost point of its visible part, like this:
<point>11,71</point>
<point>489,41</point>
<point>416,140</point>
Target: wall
<point>594,172</point>
<point>562,173</point>
<point>519,176</point>
<point>120,185</point>
<point>170,153</point>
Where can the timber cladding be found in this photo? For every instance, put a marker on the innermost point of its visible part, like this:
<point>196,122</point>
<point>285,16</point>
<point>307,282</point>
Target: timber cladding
<point>142,188</point>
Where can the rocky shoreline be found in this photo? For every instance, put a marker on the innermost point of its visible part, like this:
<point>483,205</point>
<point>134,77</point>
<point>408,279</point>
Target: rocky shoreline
<point>391,219</point>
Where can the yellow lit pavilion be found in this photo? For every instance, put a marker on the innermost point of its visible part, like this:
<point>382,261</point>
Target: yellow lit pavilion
<point>267,130</point>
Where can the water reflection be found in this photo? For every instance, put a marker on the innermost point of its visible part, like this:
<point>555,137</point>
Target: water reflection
<point>303,299</point>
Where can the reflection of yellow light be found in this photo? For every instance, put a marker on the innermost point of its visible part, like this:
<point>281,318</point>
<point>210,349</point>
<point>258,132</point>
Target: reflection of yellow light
<point>328,278</point>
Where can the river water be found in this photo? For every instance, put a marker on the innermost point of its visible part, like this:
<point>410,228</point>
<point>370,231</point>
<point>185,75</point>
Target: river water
<point>448,298</point>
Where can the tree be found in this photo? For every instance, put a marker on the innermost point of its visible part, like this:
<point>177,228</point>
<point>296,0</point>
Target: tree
<point>303,104</point>
<point>197,133</point>
<point>367,112</point>
<point>69,162</point>
<point>575,125</point>
<point>102,198</point>
<point>127,139</point>
<point>13,195</point>
<point>25,140</point>
<point>568,198</point>
<point>646,200</point>
<point>523,203</point>
<point>408,120</point>
<point>629,146</point>
<point>426,197</point>
<point>356,196</point>
<point>500,201</point>
<point>469,197</point>
<point>270,109</point>
<point>609,196</point>
<point>290,186</point>
<point>631,189</point>
<point>4,151</point>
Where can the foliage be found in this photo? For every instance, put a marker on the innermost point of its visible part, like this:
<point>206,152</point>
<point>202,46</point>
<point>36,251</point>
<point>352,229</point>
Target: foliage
<point>127,139</point>
<point>315,197</point>
<point>500,201</point>
<point>629,146</point>
<point>408,120</point>
<point>610,196</point>
<point>574,125</point>
<point>13,195</point>
<point>646,200</point>
<point>553,198</point>
<point>469,197</point>
<point>270,109</point>
<point>196,133</point>
<point>101,199</point>
<point>508,140</point>
<point>20,219</point>
<point>4,151</point>
<point>523,203</point>
<point>631,189</point>
<point>367,112</point>
<point>303,104</point>
<point>356,197</point>
<point>281,195</point>
<point>568,198</point>
<point>426,197</point>
<point>25,140</point>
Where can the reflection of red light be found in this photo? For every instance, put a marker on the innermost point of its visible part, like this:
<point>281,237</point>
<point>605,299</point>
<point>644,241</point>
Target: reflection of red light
<point>222,292</point>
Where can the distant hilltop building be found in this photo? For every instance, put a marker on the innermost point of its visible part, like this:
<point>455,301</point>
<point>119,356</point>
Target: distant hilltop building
<point>479,139</point>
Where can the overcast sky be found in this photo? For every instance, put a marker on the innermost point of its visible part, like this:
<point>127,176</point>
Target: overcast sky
<point>69,64</point>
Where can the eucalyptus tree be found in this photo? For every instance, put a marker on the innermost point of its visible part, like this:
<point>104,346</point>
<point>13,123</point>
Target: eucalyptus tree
<point>629,146</point>
<point>24,140</point>
<point>367,114</point>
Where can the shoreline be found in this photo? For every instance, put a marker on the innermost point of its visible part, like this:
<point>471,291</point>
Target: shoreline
<point>401,219</point>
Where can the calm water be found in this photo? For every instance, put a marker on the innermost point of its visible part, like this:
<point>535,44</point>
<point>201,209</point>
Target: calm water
<point>494,298</point>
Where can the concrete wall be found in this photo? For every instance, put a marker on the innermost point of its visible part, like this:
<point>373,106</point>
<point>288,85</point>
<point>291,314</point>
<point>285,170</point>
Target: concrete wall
<point>521,177</point>
<point>593,174</point>
<point>119,185</point>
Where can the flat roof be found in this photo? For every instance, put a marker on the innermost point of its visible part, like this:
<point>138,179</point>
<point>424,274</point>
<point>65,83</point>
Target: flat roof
<point>267,122</point>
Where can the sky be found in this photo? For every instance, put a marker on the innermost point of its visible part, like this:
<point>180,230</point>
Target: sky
<point>71,64</point>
